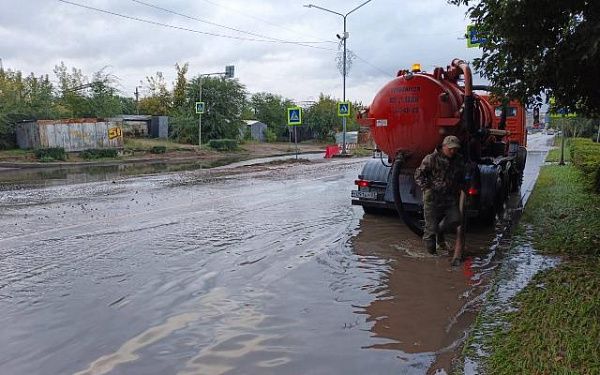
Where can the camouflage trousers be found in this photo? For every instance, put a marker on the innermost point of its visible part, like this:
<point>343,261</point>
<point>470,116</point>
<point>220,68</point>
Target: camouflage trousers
<point>441,214</point>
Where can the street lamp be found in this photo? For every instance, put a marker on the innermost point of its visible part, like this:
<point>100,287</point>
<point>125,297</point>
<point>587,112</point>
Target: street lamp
<point>229,73</point>
<point>343,38</point>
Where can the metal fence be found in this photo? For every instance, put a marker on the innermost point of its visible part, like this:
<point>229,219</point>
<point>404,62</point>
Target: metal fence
<point>72,135</point>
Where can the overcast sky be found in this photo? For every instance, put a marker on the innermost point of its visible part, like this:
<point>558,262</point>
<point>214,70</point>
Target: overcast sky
<point>386,35</point>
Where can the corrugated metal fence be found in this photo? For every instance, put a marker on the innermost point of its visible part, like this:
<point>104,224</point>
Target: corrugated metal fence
<point>72,135</point>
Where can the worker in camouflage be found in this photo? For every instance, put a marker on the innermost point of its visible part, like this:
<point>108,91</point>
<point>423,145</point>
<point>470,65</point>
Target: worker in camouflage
<point>441,176</point>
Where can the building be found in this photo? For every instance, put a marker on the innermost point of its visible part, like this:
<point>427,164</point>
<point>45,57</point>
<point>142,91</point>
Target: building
<point>257,130</point>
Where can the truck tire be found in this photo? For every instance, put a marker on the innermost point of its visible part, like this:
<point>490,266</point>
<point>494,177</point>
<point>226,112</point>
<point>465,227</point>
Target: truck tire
<point>372,210</point>
<point>413,222</point>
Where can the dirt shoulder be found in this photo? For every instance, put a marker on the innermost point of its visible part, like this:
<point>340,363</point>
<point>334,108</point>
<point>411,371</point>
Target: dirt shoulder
<point>144,151</point>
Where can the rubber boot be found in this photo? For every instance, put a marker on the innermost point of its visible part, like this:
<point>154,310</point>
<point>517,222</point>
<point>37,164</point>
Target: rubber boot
<point>430,246</point>
<point>441,244</point>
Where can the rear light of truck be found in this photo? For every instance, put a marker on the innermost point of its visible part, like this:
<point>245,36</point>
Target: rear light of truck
<point>362,183</point>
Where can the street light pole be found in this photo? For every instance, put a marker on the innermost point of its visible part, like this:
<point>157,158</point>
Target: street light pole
<point>229,73</point>
<point>344,37</point>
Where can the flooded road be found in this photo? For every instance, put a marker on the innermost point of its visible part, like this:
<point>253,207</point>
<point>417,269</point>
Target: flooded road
<point>261,271</point>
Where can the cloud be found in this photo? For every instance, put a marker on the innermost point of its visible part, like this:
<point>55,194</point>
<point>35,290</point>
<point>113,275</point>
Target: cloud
<point>35,35</point>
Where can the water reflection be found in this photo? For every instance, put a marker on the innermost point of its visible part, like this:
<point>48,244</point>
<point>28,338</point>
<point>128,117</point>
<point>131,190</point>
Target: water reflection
<point>46,177</point>
<point>423,306</point>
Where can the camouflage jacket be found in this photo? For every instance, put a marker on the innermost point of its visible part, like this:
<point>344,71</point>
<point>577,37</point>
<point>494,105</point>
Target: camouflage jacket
<point>441,174</point>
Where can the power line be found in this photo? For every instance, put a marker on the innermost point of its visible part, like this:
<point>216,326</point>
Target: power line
<point>187,29</point>
<point>373,66</point>
<point>224,26</point>
<point>256,18</point>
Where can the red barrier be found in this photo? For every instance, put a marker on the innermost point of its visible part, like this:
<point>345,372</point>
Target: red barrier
<point>331,150</point>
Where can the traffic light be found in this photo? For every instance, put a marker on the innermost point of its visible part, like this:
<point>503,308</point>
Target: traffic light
<point>536,115</point>
<point>229,71</point>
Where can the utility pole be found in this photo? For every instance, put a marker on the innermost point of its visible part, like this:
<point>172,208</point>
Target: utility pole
<point>343,38</point>
<point>137,100</point>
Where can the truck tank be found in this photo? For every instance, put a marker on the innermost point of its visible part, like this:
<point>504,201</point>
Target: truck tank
<point>412,113</point>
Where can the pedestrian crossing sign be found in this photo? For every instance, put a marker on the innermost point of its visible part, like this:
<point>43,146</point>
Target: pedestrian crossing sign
<point>294,116</point>
<point>199,108</point>
<point>473,37</point>
<point>344,109</point>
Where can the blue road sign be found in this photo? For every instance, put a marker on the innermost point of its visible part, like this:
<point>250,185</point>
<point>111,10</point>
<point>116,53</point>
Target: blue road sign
<point>344,109</point>
<point>473,38</point>
<point>199,108</point>
<point>294,116</point>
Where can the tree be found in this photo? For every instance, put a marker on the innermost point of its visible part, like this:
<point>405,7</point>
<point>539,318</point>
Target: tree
<point>272,110</point>
<point>179,91</point>
<point>160,100</point>
<point>103,100</point>
<point>225,100</point>
<point>322,118</point>
<point>71,102</point>
<point>539,46</point>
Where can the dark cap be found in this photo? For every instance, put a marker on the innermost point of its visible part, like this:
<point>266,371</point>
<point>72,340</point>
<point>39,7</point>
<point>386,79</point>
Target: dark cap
<point>451,141</point>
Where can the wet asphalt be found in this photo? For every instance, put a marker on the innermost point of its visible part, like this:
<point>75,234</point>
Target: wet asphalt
<point>246,270</point>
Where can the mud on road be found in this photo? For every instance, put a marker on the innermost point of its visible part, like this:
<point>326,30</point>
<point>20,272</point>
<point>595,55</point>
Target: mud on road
<point>252,270</point>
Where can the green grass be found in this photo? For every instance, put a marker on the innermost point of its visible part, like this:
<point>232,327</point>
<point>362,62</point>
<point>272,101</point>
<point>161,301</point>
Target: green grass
<point>556,329</point>
<point>15,153</point>
<point>141,144</point>
<point>564,213</point>
<point>554,154</point>
<point>556,326</point>
<point>362,151</point>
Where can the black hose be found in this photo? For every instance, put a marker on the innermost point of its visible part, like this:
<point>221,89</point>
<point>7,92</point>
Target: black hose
<point>396,167</point>
<point>382,162</point>
<point>469,123</point>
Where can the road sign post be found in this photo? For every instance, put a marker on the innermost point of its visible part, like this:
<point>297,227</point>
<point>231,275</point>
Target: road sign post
<point>199,112</point>
<point>294,115</point>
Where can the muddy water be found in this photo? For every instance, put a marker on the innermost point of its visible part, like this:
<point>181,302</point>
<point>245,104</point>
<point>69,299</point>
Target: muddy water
<point>265,272</point>
<point>14,178</point>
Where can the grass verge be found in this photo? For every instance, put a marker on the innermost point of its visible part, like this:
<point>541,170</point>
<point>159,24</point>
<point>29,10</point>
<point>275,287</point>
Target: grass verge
<point>564,213</point>
<point>555,328</point>
<point>554,154</point>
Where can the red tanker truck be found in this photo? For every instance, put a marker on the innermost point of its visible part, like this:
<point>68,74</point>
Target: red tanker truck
<point>411,115</point>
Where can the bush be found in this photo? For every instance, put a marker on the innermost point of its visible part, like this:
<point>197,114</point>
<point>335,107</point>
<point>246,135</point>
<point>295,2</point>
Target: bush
<point>183,127</point>
<point>158,150</point>
<point>270,136</point>
<point>223,144</point>
<point>91,154</point>
<point>51,154</point>
<point>585,155</point>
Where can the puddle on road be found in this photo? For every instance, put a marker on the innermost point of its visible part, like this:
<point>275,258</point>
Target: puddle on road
<point>11,179</point>
<point>46,177</point>
<point>425,307</point>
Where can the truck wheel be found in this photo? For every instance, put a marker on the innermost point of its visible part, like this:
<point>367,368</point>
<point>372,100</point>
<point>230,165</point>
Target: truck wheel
<point>371,210</point>
<point>516,181</point>
<point>488,215</point>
